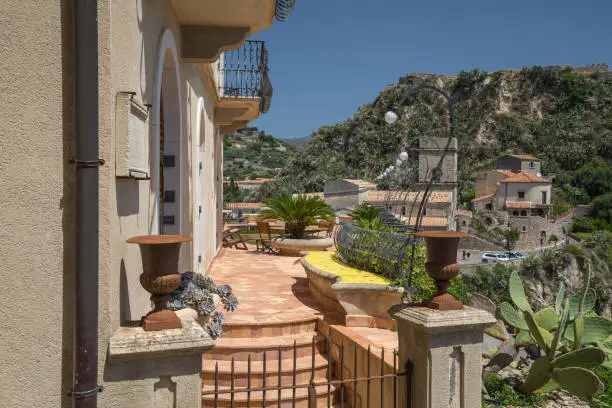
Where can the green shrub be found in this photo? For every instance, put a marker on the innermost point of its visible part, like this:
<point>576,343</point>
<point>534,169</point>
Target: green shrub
<point>491,281</point>
<point>560,209</point>
<point>574,249</point>
<point>502,395</point>
<point>582,224</point>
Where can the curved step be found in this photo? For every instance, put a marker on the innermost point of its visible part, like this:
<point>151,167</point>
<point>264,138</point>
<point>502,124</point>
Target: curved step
<point>240,347</point>
<point>291,325</point>
<point>303,371</point>
<point>256,397</point>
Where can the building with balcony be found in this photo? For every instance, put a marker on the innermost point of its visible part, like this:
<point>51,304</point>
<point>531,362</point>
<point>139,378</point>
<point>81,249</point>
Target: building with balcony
<point>138,94</point>
<point>518,193</point>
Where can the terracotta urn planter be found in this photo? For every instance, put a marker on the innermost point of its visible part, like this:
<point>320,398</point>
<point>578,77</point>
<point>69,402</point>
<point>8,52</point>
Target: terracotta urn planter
<point>160,277</point>
<point>442,266</point>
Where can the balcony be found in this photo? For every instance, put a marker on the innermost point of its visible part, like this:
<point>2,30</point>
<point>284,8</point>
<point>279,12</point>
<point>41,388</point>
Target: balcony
<point>243,74</point>
<point>242,85</point>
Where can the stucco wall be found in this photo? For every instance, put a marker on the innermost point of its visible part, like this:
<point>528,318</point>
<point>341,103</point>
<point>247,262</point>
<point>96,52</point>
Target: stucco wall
<point>36,208</point>
<point>533,193</point>
<point>130,37</point>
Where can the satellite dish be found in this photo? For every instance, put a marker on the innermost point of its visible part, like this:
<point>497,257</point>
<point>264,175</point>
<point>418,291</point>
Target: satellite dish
<point>539,174</point>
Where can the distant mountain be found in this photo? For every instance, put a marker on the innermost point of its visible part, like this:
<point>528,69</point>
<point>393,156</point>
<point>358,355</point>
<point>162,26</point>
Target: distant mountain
<point>562,115</point>
<point>253,153</point>
<point>299,143</point>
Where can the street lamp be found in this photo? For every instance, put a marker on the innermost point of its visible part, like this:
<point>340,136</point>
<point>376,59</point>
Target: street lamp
<point>391,117</point>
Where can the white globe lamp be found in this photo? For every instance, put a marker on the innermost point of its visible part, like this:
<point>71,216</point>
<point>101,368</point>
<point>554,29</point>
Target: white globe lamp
<point>390,117</point>
<point>403,156</point>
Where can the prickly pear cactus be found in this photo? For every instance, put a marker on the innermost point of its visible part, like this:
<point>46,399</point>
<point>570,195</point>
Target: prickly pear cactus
<point>517,292</point>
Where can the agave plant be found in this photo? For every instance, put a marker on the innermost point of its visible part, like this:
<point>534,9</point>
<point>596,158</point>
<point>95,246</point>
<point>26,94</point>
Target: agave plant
<point>570,337</point>
<point>297,212</point>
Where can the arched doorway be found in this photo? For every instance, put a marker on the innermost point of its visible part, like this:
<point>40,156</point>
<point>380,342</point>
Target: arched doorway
<point>167,142</point>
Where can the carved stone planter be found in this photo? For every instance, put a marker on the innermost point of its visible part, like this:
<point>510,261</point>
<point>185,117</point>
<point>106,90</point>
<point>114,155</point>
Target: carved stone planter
<point>160,277</point>
<point>297,247</point>
<point>442,266</point>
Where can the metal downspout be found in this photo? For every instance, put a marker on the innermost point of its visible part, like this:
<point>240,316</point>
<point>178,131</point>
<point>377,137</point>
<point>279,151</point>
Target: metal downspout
<point>87,162</point>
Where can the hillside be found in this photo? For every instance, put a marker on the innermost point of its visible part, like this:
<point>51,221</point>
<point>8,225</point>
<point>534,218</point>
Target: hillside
<point>561,115</point>
<point>252,152</point>
<point>299,143</point>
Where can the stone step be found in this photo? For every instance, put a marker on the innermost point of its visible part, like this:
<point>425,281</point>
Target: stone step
<point>294,325</point>
<point>303,367</point>
<point>241,398</point>
<point>241,347</point>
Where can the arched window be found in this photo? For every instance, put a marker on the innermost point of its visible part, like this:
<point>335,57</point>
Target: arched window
<point>515,213</point>
<point>524,228</point>
<point>523,213</point>
<point>404,210</point>
<point>463,223</point>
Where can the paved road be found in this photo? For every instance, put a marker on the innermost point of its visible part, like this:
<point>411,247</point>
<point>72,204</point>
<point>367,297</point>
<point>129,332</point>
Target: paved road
<point>476,256</point>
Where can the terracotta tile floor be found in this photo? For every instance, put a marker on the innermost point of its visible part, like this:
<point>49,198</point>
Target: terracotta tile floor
<point>275,289</point>
<point>269,288</point>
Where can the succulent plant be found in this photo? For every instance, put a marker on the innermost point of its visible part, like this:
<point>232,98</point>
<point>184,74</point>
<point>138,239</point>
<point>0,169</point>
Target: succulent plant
<point>196,291</point>
<point>565,335</point>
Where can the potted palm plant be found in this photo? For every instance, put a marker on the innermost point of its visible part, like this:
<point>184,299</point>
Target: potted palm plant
<point>298,213</point>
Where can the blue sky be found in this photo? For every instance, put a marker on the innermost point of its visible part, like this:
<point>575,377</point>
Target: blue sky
<point>333,56</point>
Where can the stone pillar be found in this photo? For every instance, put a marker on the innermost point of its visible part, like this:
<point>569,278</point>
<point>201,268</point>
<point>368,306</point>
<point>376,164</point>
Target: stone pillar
<point>444,349</point>
<point>160,369</point>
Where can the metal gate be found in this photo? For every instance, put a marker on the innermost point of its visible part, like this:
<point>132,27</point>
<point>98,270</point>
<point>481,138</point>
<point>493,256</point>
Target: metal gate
<point>342,391</point>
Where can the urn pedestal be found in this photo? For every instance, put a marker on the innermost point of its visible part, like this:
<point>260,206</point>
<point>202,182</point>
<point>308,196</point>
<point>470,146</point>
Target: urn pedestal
<point>160,277</point>
<point>442,266</point>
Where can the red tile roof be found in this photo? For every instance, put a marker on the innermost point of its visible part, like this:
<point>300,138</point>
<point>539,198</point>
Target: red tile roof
<point>525,157</point>
<point>483,197</point>
<point>402,196</point>
<point>464,212</point>
<point>506,173</point>
<point>516,204</point>
<point>524,177</point>
<point>427,221</point>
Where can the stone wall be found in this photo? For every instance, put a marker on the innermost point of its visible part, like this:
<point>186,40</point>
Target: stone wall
<point>530,228</point>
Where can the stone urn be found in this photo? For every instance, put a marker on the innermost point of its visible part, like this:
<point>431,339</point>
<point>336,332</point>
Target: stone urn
<point>442,266</point>
<point>160,277</point>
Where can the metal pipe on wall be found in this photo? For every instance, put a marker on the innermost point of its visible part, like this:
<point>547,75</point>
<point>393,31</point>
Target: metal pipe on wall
<point>87,163</point>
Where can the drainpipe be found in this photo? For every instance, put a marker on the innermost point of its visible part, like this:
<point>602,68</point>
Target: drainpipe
<point>86,161</point>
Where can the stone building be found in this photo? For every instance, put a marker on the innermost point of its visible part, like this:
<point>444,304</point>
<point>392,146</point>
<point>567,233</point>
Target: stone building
<point>517,192</point>
<point>150,90</point>
<point>518,163</point>
<point>437,213</point>
<point>345,193</point>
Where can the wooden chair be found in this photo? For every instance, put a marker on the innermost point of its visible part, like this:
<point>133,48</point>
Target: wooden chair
<point>232,238</point>
<point>329,228</point>
<point>264,243</point>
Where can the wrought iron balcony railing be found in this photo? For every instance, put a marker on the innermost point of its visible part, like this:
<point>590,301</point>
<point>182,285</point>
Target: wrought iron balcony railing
<point>283,9</point>
<point>243,73</point>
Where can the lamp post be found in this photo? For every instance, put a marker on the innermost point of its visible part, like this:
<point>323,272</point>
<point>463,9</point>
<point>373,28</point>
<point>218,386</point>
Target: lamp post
<point>391,117</point>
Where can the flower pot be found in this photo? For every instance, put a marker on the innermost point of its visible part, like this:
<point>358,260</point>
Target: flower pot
<point>160,277</point>
<point>442,266</point>
<point>297,247</point>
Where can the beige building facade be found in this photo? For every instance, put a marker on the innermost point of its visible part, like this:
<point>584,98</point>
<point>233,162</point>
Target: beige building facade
<point>165,99</point>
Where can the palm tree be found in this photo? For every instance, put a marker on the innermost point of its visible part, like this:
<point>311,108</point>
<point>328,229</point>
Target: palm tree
<point>297,212</point>
<point>367,216</point>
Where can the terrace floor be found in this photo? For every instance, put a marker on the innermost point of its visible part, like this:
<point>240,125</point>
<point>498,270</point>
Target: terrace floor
<point>274,289</point>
